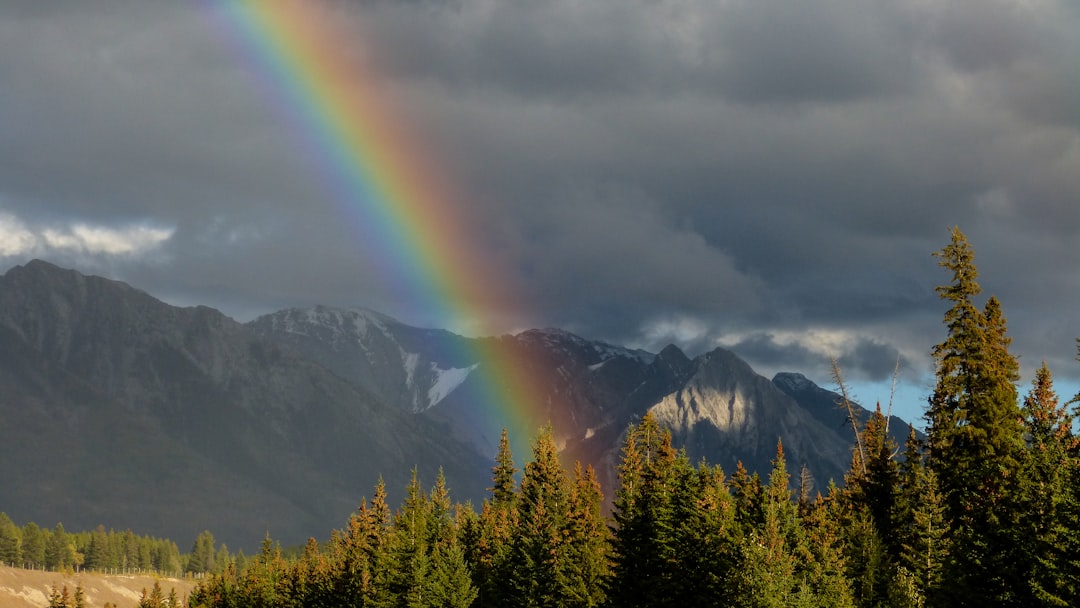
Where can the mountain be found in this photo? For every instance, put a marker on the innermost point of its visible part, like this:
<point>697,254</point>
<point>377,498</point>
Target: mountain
<point>119,409</point>
<point>717,407</point>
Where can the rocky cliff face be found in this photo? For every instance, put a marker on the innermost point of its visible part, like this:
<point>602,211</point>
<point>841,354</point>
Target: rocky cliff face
<point>727,413</point>
<point>119,409</point>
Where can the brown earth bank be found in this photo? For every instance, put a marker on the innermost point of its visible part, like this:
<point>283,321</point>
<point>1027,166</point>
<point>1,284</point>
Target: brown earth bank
<point>30,588</point>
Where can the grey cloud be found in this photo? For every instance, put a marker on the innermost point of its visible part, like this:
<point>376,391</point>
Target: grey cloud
<point>719,167</point>
<point>863,360</point>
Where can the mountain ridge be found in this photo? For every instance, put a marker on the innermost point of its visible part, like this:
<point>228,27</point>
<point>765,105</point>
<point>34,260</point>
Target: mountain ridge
<point>284,422</point>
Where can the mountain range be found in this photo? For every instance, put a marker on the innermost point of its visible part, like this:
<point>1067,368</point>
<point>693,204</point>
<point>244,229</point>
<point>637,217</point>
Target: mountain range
<point>117,408</point>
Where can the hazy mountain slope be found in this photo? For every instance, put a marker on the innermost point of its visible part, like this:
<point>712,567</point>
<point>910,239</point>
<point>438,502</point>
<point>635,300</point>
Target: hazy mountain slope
<point>825,406</point>
<point>107,389</point>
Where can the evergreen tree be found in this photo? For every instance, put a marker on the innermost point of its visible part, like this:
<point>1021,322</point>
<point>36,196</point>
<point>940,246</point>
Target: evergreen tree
<point>539,551</point>
<point>97,551</point>
<point>33,546</point>
<point>61,599</point>
<point>587,539</point>
<point>923,527</point>
<point>262,581</point>
<point>10,542</point>
<point>502,491</point>
<point>59,552</point>
<point>880,486</point>
<point>361,565</point>
<point>749,499</point>
<point>154,599</point>
<point>766,576</point>
<point>975,437</point>
<point>823,566</point>
<point>643,549</point>
<point>870,502</point>
<point>203,556</point>
<point>1045,485</point>
<point>488,540</point>
<point>451,582</point>
<point>707,539</point>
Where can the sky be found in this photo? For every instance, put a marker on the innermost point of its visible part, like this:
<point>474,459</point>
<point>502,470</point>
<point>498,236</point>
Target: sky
<point>768,176</point>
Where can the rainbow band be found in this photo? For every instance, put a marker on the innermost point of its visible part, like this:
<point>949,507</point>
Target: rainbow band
<point>410,218</point>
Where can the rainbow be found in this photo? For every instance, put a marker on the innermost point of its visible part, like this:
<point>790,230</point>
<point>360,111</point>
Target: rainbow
<point>411,219</point>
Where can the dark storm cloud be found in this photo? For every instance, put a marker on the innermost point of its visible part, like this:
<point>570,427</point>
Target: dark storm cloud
<point>764,174</point>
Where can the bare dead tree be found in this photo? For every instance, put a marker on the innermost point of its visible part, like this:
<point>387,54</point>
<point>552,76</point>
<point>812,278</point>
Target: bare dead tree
<point>845,402</point>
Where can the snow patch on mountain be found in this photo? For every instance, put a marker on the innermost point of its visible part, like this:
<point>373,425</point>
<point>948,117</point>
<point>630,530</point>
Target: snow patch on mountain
<point>793,381</point>
<point>410,362</point>
<point>446,380</point>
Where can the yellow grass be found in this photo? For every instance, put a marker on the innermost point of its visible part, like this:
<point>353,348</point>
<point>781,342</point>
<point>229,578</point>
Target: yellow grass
<point>30,588</point>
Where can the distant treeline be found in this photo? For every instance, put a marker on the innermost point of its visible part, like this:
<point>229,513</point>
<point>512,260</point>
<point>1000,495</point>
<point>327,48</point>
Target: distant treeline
<point>109,551</point>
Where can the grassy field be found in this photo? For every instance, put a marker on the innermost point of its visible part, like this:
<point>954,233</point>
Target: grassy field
<point>30,588</point>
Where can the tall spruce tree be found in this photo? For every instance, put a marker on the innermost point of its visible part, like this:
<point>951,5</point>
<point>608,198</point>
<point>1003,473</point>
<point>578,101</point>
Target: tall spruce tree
<point>487,539</point>
<point>766,575</point>
<point>588,540</point>
<point>1045,488</point>
<point>539,558</point>
<point>11,552</point>
<point>975,439</point>
<point>645,569</point>
<point>921,524</point>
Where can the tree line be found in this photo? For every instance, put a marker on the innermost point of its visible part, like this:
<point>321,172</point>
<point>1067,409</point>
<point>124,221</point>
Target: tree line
<point>36,548</point>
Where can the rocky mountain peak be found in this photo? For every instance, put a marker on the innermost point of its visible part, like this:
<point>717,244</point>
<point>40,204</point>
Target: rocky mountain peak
<point>793,381</point>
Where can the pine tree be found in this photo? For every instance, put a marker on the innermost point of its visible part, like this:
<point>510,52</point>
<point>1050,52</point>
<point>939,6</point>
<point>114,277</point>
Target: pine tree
<point>748,494</point>
<point>870,502</point>
<point>1045,485</point>
<point>33,546</point>
<point>10,542</point>
<point>488,545</point>
<point>644,557</point>
<point>975,437</point>
<point>587,539</point>
<point>503,484</point>
<point>360,564</point>
<point>97,551</point>
<point>823,565</point>
<point>766,576</point>
<point>62,599</point>
<point>451,583</point>
<point>411,548</point>
<point>539,551</point>
<point>59,552</point>
<point>203,556</point>
<point>707,539</point>
<point>154,599</point>
<point>923,527</point>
